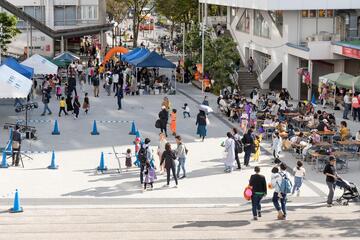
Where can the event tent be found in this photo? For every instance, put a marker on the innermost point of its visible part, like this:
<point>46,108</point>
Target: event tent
<point>66,57</point>
<point>153,60</point>
<point>26,71</point>
<point>13,84</point>
<point>335,78</point>
<point>142,52</point>
<point>352,82</point>
<point>132,52</point>
<point>41,65</point>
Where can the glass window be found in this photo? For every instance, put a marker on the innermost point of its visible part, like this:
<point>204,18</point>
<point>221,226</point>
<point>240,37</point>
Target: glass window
<point>330,13</point>
<point>37,12</point>
<point>322,13</point>
<point>65,15</point>
<point>305,13</point>
<point>261,27</point>
<point>277,17</point>
<point>244,22</point>
<point>89,12</point>
<point>312,13</point>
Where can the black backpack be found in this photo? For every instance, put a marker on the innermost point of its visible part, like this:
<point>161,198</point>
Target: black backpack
<point>142,155</point>
<point>238,146</point>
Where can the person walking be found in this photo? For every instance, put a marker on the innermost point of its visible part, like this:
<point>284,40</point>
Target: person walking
<point>46,100</point>
<point>86,103</point>
<point>16,146</point>
<point>150,176</point>
<point>173,122</point>
<point>181,153</point>
<point>69,105</point>
<point>76,106</point>
<point>96,83</point>
<point>229,145</point>
<point>164,117</point>
<point>279,181</point>
<point>347,105</point>
<point>259,189</point>
<point>257,149</point>
<point>299,171</point>
<point>238,146</point>
<point>356,107</point>
<point>205,101</point>
<point>168,157</point>
<point>276,147</point>
<point>161,149</point>
<point>331,177</point>
<point>186,111</point>
<point>250,64</point>
<point>248,143</point>
<point>201,123</point>
<point>119,95</point>
<point>62,105</point>
<point>144,155</point>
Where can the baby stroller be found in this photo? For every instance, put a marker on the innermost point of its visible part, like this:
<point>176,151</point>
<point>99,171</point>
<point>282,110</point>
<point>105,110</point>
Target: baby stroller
<point>350,191</point>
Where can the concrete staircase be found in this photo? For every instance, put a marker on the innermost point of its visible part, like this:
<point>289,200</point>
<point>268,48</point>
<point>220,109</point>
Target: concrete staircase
<point>247,81</point>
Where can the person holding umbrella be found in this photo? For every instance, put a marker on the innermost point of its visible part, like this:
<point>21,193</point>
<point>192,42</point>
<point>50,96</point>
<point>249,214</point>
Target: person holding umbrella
<point>201,122</point>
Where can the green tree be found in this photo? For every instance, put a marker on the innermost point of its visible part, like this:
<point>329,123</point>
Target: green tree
<point>9,30</point>
<point>116,10</point>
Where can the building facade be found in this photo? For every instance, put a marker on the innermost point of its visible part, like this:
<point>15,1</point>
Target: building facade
<point>57,15</point>
<point>284,37</point>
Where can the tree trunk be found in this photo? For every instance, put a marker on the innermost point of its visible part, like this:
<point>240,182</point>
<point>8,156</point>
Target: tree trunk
<point>135,30</point>
<point>172,30</point>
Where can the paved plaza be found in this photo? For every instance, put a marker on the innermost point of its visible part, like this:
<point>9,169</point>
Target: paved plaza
<point>77,201</point>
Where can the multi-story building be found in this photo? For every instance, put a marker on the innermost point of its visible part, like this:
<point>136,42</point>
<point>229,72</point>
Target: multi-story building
<point>320,36</point>
<point>58,15</point>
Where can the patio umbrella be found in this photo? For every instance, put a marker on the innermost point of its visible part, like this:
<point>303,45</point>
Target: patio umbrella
<point>353,82</point>
<point>335,78</point>
<point>206,109</point>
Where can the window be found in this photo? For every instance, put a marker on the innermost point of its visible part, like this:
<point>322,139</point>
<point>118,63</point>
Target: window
<point>277,17</point>
<point>89,12</point>
<point>244,22</point>
<point>312,13</point>
<point>305,13</point>
<point>322,13</point>
<point>65,16</point>
<point>330,13</point>
<point>261,27</point>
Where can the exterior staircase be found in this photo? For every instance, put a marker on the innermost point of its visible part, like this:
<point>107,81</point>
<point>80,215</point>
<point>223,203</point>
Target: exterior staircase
<point>247,81</point>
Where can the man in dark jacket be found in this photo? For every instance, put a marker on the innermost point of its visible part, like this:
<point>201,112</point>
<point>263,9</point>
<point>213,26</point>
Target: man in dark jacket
<point>164,117</point>
<point>248,142</point>
<point>16,146</point>
<point>259,190</point>
<point>46,100</point>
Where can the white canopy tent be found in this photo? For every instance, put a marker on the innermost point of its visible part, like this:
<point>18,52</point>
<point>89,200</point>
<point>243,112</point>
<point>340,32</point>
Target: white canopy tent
<point>13,84</point>
<point>41,65</point>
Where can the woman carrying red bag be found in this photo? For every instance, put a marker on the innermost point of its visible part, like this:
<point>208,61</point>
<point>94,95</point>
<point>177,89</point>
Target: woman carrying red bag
<point>259,190</point>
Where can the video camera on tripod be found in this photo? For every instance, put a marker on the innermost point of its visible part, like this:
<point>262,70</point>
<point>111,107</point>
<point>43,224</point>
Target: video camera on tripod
<point>26,107</point>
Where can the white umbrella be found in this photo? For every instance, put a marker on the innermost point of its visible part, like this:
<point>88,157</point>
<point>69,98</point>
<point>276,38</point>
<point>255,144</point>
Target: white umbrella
<point>206,108</point>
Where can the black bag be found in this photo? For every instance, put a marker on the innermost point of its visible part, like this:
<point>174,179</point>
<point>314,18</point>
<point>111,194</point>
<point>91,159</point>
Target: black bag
<point>142,155</point>
<point>238,146</point>
<point>158,123</point>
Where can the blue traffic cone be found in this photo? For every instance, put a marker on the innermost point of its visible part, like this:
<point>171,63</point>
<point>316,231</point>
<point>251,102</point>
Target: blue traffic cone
<point>133,128</point>
<point>56,129</point>
<point>102,166</point>
<point>95,131</point>
<point>16,208</point>
<point>313,100</point>
<point>53,164</point>
<point>3,161</point>
<point>137,134</point>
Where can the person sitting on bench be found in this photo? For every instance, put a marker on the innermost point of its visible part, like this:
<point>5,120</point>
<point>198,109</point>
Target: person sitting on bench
<point>16,146</point>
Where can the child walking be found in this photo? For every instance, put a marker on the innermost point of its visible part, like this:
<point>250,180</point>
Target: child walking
<point>173,122</point>
<point>128,160</point>
<point>58,91</point>
<point>299,171</point>
<point>62,104</point>
<point>86,103</point>
<point>76,107</point>
<point>257,142</point>
<point>150,175</point>
<point>186,111</point>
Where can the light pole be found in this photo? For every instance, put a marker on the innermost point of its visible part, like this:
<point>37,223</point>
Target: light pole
<point>183,53</point>
<point>1,35</point>
<point>203,49</point>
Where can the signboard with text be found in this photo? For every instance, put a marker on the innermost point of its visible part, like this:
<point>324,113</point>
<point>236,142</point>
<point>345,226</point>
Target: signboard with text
<point>351,52</point>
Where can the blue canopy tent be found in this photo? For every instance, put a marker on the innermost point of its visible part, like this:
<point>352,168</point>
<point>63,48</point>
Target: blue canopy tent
<point>26,71</point>
<point>153,60</point>
<point>66,57</point>
<point>132,52</point>
<point>139,54</point>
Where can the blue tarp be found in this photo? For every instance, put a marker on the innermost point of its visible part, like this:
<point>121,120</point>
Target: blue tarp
<point>26,71</point>
<point>139,54</point>
<point>124,56</point>
<point>154,60</point>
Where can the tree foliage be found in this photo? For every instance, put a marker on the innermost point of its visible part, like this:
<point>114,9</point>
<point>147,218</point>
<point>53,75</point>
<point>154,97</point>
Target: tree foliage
<point>116,10</point>
<point>221,55</point>
<point>9,30</point>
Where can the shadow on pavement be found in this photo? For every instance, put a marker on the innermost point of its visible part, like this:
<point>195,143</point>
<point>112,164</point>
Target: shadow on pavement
<point>223,224</point>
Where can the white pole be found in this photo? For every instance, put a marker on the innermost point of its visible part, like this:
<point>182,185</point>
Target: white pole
<point>183,55</point>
